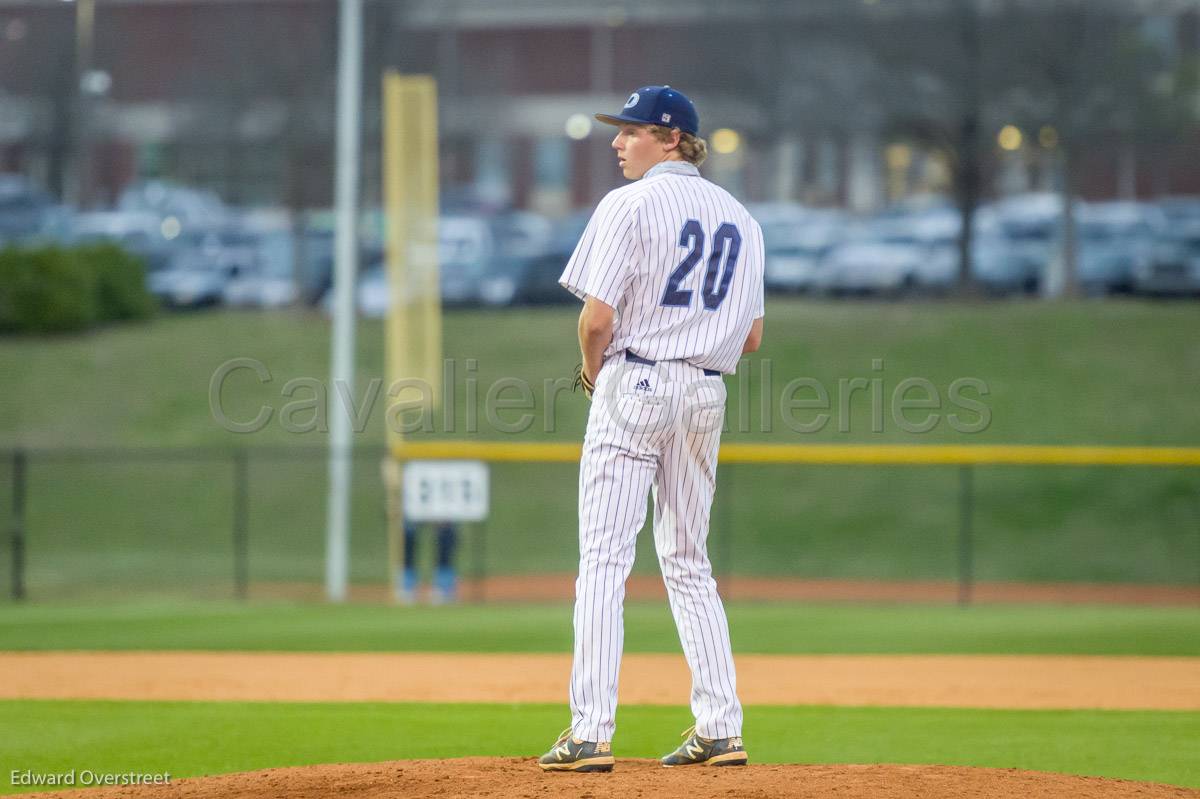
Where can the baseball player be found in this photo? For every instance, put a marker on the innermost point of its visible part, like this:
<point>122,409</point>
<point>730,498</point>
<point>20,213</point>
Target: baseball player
<point>670,271</point>
<point>445,578</point>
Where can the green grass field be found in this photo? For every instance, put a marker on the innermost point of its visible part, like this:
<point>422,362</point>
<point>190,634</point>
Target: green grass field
<point>1094,372</point>
<point>194,738</point>
<point>756,628</point>
<point>1120,373</point>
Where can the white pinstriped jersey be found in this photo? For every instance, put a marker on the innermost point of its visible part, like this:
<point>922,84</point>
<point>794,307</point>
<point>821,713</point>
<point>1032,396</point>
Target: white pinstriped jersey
<point>680,260</point>
<point>682,263</point>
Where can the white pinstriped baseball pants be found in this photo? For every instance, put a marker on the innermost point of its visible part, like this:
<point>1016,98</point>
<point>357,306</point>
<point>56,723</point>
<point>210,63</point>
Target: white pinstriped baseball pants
<point>650,427</point>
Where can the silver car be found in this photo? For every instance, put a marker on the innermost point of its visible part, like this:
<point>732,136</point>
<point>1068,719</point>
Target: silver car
<point>137,232</point>
<point>1174,265</point>
<point>188,284</point>
<point>794,251</point>
<point>886,266</point>
<point>1116,241</point>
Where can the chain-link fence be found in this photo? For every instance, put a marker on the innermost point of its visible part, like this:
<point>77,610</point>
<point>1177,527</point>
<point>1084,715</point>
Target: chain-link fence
<point>251,523</point>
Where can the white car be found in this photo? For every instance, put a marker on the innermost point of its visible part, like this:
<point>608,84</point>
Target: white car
<point>26,213</point>
<point>1116,242</point>
<point>794,252</point>
<point>257,289</point>
<point>887,266</point>
<point>188,286</point>
<point>190,207</point>
<point>137,232</point>
<point>372,295</point>
<point>1174,267</point>
<point>778,217</point>
<point>934,232</point>
<point>791,268</point>
<point>465,244</point>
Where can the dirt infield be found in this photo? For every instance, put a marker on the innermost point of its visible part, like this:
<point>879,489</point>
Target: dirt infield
<point>984,681</point>
<point>519,777</point>
<point>943,680</point>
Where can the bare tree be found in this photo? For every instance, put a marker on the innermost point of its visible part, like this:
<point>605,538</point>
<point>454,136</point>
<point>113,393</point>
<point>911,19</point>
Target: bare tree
<point>947,72</point>
<point>937,68</point>
<point>1084,69</point>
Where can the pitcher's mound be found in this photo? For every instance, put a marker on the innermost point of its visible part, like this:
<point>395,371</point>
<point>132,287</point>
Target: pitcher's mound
<point>520,777</point>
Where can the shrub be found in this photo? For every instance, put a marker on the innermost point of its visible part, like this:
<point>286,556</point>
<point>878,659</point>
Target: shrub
<point>45,290</point>
<point>120,282</point>
<point>54,290</point>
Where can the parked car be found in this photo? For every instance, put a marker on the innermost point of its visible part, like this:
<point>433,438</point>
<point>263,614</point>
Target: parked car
<point>465,244</point>
<point>569,230</point>
<point>794,253</point>
<point>225,247</point>
<point>1030,227</point>
<point>880,266</point>
<point>192,208</point>
<point>259,288</point>
<point>315,261</point>
<point>935,230</point>
<point>521,234</point>
<point>526,281</point>
<point>1116,240</point>
<point>1180,210</point>
<point>26,213</point>
<point>792,267</point>
<point>271,281</point>
<point>1000,267</point>
<point>138,232</point>
<point>1174,265</point>
<point>373,295</point>
<point>191,281</point>
<point>772,217</point>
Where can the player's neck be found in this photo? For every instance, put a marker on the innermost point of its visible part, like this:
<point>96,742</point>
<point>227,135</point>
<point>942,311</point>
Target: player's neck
<point>670,158</point>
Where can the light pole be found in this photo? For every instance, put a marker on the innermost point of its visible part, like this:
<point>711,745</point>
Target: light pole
<point>349,99</point>
<point>79,187</point>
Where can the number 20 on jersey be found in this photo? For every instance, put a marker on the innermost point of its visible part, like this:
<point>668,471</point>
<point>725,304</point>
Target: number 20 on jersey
<point>722,261</point>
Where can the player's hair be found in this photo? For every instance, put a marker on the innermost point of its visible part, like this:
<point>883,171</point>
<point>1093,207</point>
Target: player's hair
<point>693,148</point>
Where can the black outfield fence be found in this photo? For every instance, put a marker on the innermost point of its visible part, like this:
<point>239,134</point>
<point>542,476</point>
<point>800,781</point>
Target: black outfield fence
<point>110,523</point>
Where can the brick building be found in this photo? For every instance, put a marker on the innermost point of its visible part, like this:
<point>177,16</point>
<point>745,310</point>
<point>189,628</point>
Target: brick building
<point>238,96</point>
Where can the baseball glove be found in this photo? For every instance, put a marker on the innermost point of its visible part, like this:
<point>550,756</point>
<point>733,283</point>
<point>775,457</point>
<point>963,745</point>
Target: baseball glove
<point>581,381</point>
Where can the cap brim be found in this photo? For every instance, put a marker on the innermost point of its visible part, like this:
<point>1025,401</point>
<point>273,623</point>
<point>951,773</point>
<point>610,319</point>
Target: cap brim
<point>609,119</point>
<point>619,120</point>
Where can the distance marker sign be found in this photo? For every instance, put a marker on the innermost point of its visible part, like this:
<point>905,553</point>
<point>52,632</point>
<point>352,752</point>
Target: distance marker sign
<point>445,491</point>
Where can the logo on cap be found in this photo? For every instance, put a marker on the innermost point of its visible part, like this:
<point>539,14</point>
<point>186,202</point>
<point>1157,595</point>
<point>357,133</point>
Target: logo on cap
<point>632,101</point>
<point>666,117</point>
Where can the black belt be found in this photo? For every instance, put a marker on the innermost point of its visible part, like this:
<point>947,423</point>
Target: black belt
<point>629,356</point>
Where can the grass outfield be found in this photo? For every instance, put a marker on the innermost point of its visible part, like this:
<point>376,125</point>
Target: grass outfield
<point>755,628</point>
<point>192,738</point>
<point>1091,372</point>
<point>1121,373</point>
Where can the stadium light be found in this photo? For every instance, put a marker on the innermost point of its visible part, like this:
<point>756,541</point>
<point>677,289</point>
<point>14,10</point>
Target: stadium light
<point>726,141</point>
<point>1010,138</point>
<point>170,228</point>
<point>578,126</point>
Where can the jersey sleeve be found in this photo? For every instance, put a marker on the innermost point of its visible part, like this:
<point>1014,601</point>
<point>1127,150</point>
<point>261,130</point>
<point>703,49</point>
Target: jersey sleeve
<point>760,256</point>
<point>603,262</point>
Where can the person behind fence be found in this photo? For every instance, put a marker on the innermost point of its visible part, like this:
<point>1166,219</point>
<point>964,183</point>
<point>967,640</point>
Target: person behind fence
<point>445,577</point>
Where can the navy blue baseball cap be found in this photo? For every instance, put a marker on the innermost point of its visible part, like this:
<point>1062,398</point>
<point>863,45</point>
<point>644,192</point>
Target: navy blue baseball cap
<point>657,105</point>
